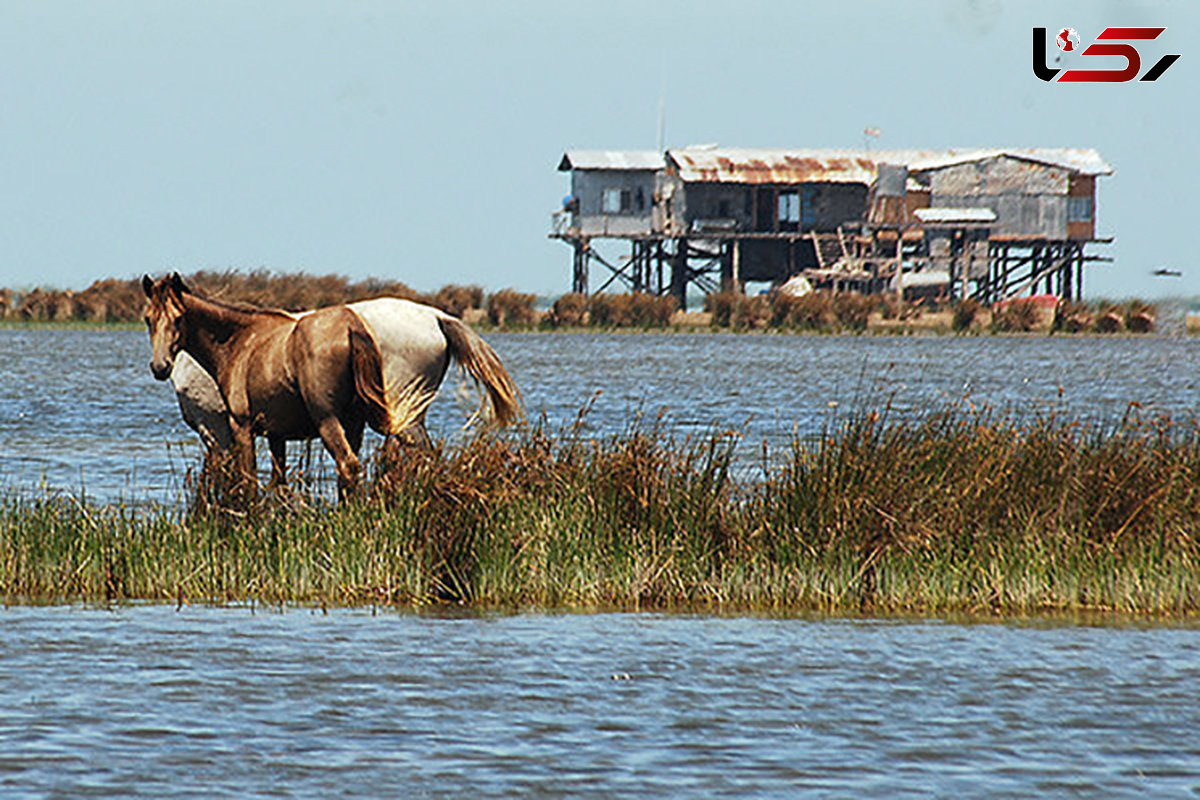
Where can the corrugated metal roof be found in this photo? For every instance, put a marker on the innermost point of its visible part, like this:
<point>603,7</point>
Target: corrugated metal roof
<point>765,166</point>
<point>955,215</point>
<point>611,160</point>
<point>1084,161</point>
<point>772,166</point>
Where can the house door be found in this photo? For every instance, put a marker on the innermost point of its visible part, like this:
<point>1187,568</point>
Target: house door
<point>764,210</point>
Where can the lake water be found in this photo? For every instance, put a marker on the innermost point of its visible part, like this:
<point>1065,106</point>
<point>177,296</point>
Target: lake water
<point>204,702</point>
<point>80,410</point>
<point>226,702</point>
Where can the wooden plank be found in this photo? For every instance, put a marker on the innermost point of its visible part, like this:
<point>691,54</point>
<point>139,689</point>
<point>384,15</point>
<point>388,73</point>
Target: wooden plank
<point>817,247</point>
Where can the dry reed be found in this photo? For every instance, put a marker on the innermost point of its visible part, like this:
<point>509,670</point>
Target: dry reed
<point>961,512</point>
<point>569,311</point>
<point>1020,315</point>
<point>509,308</point>
<point>113,300</point>
<point>636,310</point>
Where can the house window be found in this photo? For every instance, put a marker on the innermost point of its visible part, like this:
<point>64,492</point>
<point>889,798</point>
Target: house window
<point>1079,209</point>
<point>616,201</point>
<point>808,206</point>
<point>789,209</point>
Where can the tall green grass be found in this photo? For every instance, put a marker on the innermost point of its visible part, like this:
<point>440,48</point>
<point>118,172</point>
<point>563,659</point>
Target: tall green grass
<point>962,512</point>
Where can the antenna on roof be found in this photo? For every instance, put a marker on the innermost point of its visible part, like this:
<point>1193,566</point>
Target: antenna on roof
<point>869,134</point>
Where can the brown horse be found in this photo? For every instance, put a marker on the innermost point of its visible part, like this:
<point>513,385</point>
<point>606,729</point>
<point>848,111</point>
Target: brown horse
<point>322,373</point>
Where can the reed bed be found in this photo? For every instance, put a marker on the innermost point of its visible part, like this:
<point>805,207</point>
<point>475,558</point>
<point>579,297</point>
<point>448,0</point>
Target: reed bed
<point>113,300</point>
<point>961,512</point>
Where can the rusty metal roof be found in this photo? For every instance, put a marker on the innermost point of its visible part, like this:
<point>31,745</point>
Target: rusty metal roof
<point>1083,161</point>
<point>947,216</point>
<point>763,166</point>
<point>772,166</point>
<point>611,160</point>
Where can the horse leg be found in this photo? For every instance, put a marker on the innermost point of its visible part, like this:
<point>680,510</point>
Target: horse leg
<point>414,435</point>
<point>354,438</point>
<point>278,461</point>
<point>349,469</point>
<point>418,436</point>
<point>354,434</point>
<point>403,444</point>
<point>243,450</point>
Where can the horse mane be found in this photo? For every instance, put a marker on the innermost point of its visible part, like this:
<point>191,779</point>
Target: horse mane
<point>239,306</point>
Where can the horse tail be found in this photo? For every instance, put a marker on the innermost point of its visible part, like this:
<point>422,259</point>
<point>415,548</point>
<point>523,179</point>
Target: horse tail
<point>389,409</point>
<point>479,360</point>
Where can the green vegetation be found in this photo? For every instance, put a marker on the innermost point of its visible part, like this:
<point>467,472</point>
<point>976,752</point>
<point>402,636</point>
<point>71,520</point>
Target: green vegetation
<point>960,513</point>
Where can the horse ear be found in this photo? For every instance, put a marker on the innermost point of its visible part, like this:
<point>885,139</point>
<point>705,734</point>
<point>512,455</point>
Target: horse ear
<point>147,285</point>
<point>177,283</point>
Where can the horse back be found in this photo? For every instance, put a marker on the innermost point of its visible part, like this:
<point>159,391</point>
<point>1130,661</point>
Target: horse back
<point>409,339</point>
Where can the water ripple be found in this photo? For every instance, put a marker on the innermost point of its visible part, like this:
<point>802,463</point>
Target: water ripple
<point>226,703</point>
<point>78,408</point>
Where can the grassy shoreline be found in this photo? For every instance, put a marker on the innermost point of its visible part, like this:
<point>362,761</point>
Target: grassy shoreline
<point>74,324</point>
<point>935,327</point>
<point>961,514</point>
<point>111,300</point>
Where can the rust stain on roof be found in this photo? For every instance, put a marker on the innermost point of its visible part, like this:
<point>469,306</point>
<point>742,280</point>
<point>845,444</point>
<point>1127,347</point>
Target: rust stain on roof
<point>757,166</point>
<point>764,169</point>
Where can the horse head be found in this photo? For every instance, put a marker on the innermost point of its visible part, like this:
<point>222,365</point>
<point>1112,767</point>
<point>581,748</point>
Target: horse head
<point>165,321</point>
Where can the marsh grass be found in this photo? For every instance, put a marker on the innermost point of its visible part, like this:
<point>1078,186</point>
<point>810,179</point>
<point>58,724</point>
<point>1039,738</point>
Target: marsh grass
<point>122,300</point>
<point>1020,315</point>
<point>509,308</point>
<point>961,512</point>
<point>635,310</point>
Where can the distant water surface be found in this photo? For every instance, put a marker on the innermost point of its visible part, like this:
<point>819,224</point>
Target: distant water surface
<point>79,408</point>
<point>204,702</point>
<point>225,702</point>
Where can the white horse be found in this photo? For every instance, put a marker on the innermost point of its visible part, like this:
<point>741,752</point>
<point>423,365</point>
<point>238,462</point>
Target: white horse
<point>200,403</point>
<point>416,343</point>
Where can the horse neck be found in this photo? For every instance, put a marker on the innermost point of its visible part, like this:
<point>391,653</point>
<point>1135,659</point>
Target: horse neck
<point>212,331</point>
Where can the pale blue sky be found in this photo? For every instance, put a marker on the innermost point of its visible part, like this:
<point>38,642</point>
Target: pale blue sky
<point>418,141</point>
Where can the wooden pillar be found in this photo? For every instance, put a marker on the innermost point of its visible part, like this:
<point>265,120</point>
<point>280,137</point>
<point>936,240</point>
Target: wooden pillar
<point>993,256</point>
<point>731,256</point>
<point>1053,283</point>
<point>1056,257</point>
<point>1000,276</point>
<point>579,280</point>
<point>899,268</point>
<point>679,273</point>
<point>727,279</point>
<point>662,260</point>
<point>1068,283</point>
<point>1005,265</point>
<point>1035,262</point>
<point>1065,290</point>
<point>637,263</point>
<point>1059,251</point>
<point>1079,273</point>
<point>1047,273</point>
<point>988,275</point>
<point>736,257</point>
<point>1047,260</point>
